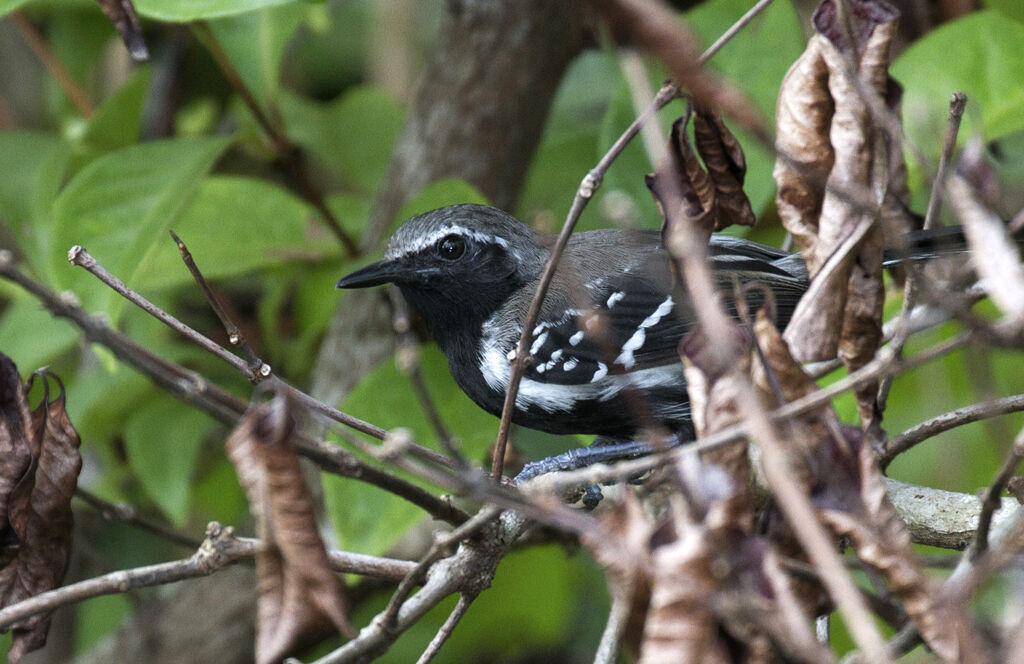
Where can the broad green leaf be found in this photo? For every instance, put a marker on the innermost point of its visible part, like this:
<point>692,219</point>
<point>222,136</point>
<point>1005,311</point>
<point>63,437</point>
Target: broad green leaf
<point>368,519</point>
<point>182,11</point>
<point>122,203</point>
<point>556,171</point>
<point>980,55</point>
<point>163,439</point>
<point>255,42</point>
<point>1012,8</point>
<point>439,193</point>
<point>235,225</point>
<point>32,165</point>
<point>117,121</point>
<point>757,58</point>
<point>354,135</point>
<point>33,337</point>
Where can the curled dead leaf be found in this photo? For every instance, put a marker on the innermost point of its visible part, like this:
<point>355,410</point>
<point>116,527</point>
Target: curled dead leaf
<point>298,594</point>
<point>38,474</point>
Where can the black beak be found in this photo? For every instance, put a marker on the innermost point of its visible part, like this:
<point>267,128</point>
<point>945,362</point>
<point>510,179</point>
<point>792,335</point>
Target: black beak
<point>375,274</point>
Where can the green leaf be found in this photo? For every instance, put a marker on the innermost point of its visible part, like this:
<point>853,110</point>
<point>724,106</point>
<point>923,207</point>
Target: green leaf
<point>758,57</point>
<point>556,171</point>
<point>235,225</point>
<point>117,121</point>
<point>122,203</point>
<point>1012,8</point>
<point>163,439</point>
<point>755,61</point>
<point>980,55</point>
<point>8,6</point>
<point>354,136</point>
<point>368,519</point>
<point>255,42</point>
<point>33,165</point>
<point>182,11</point>
<point>31,336</point>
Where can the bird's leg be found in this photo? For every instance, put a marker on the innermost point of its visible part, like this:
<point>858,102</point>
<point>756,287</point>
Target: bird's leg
<point>602,450</point>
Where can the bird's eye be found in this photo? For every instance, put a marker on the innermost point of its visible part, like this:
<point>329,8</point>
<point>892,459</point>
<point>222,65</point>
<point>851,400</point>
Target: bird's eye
<point>451,247</point>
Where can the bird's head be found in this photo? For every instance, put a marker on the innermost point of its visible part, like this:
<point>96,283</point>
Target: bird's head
<point>456,264</point>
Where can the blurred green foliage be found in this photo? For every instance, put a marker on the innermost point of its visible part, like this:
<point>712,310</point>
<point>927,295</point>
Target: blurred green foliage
<point>197,162</point>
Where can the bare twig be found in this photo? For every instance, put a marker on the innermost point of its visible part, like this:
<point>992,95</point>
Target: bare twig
<point>128,514</point>
<point>611,638</point>
<point>77,255</point>
<point>465,599</point>
<point>217,402</point>
<point>902,330</point>
<point>281,144</point>
<point>956,113</point>
<point>220,549</point>
<point>407,356</point>
<point>992,500</point>
<point>53,64</point>
<point>588,187</point>
<point>235,336</point>
<point>946,421</point>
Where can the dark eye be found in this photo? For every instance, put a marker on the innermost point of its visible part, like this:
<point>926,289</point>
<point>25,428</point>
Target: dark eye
<point>451,247</point>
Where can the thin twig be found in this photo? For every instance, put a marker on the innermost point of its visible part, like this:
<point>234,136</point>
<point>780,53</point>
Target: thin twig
<point>78,255</point>
<point>217,402</point>
<point>618,616</point>
<point>883,364</point>
<point>443,634</point>
<point>53,64</point>
<point>408,359</point>
<point>220,549</point>
<point>235,336</point>
<point>993,496</point>
<point>281,144</point>
<point>588,187</point>
<point>946,421</point>
<point>130,515</point>
<point>442,547</point>
<point>956,113</point>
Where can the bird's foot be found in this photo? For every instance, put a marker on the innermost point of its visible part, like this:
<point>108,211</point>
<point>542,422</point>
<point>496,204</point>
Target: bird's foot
<point>602,450</point>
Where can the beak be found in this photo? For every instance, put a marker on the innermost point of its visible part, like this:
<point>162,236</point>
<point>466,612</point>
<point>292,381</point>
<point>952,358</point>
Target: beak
<point>375,274</point>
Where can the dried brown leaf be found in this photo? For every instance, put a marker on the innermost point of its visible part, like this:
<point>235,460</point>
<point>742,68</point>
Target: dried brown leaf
<point>38,518</point>
<point>653,26</point>
<point>681,185</point>
<point>727,167</point>
<point>855,505</point>
<point>298,594</point>
<point>715,394</point>
<point>834,183</point>
<point>122,14</point>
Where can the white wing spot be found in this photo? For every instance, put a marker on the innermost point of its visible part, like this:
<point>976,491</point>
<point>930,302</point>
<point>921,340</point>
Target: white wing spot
<point>570,364</point>
<point>602,371</point>
<point>575,339</point>
<point>614,298</point>
<point>538,342</point>
<point>636,342</point>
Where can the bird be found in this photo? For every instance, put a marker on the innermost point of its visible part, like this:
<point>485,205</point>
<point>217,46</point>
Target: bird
<point>604,350</point>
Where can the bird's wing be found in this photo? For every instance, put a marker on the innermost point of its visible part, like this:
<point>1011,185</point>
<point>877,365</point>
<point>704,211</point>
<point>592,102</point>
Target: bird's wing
<point>630,322</point>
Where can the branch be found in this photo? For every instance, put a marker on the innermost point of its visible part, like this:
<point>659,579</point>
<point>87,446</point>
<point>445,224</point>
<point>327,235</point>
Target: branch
<point>947,421</point>
<point>219,550</point>
<point>217,402</point>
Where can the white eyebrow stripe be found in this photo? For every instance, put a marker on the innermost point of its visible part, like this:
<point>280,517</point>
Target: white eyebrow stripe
<point>430,240</point>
